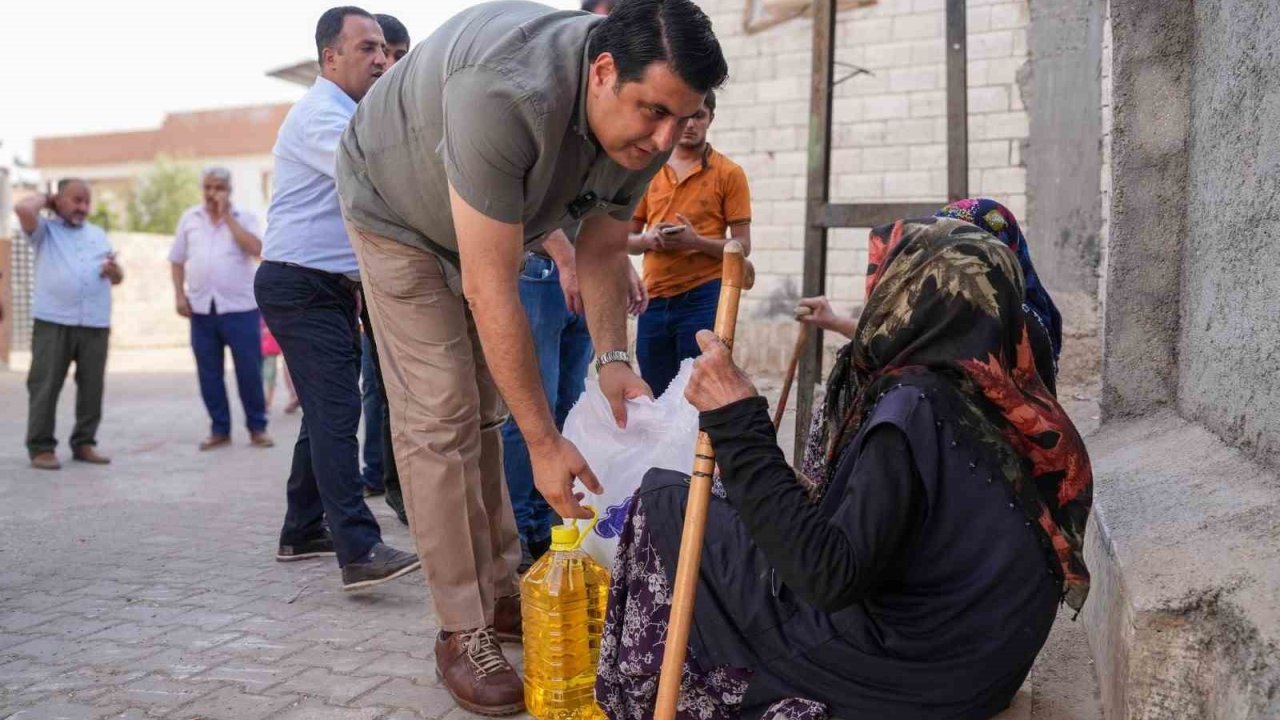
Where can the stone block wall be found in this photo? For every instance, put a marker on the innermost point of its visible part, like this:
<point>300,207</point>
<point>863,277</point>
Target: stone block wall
<point>889,128</point>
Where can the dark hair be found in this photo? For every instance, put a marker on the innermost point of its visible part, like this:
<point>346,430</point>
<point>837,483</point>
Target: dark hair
<point>591,5</point>
<point>710,101</point>
<point>641,32</point>
<point>392,29</point>
<point>330,26</point>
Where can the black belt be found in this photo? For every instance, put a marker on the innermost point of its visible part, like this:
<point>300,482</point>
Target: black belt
<point>343,281</point>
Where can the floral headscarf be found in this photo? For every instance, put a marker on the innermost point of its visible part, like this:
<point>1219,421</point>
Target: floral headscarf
<point>944,311</point>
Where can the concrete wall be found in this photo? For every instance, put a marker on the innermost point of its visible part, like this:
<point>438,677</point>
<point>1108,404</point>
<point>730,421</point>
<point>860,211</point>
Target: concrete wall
<point>1064,150</point>
<point>1228,353</point>
<point>1184,545</point>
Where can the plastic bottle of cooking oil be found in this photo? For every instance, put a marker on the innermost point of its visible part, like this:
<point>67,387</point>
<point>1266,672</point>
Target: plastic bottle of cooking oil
<point>563,599</point>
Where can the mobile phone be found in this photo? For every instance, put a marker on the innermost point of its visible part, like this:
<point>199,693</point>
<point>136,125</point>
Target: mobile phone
<point>672,230</point>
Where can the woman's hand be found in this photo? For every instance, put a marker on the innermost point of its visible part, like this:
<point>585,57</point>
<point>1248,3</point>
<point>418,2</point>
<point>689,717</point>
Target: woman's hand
<point>716,381</point>
<point>817,311</point>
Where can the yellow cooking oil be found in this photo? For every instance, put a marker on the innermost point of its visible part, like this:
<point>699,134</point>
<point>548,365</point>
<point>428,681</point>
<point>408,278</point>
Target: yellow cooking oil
<point>563,599</point>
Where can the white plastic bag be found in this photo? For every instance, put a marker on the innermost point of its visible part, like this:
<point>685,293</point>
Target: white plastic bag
<point>660,433</point>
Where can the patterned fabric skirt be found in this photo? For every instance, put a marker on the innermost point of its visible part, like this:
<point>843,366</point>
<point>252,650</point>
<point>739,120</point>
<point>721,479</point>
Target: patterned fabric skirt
<point>632,647</point>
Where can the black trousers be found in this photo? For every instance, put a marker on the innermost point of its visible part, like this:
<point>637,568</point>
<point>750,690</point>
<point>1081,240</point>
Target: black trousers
<point>53,348</point>
<point>312,315</point>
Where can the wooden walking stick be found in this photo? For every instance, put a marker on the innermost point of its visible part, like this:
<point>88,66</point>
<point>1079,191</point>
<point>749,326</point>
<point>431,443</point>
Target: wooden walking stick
<point>737,276</point>
<point>802,338</point>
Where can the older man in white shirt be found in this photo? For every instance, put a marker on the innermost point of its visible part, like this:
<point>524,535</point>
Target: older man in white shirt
<point>213,262</point>
<point>308,290</point>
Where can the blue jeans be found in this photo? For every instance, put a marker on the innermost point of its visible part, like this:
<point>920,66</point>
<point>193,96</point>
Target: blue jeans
<point>211,334</point>
<point>313,317</point>
<point>563,347</point>
<point>371,399</point>
<point>666,332</point>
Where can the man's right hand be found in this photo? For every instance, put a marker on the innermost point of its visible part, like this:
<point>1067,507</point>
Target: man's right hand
<point>183,306</point>
<point>556,463</point>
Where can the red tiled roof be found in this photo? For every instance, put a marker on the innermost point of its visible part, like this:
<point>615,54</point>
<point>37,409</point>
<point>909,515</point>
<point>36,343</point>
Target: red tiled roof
<point>207,133</point>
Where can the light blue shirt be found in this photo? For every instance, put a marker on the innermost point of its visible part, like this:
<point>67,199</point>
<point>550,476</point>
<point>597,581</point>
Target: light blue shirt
<point>70,288</point>
<point>304,221</point>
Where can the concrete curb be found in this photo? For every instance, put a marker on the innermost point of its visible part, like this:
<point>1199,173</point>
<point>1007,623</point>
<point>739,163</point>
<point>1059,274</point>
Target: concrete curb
<point>1184,614</point>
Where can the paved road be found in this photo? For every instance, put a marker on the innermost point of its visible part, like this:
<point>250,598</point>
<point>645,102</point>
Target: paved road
<point>149,588</point>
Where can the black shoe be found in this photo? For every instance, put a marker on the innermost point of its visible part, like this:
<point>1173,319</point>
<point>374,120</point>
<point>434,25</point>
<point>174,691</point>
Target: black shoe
<point>383,563</point>
<point>319,547</point>
<point>395,501</point>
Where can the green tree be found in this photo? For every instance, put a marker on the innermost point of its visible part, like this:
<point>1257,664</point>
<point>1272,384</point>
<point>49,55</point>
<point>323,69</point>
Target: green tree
<point>104,217</point>
<point>162,195</point>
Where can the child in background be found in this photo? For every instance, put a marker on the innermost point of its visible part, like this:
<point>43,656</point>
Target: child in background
<point>270,357</point>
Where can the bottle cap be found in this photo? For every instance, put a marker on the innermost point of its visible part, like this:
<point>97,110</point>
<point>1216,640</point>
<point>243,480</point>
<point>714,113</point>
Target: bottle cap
<point>568,537</point>
<point>564,537</point>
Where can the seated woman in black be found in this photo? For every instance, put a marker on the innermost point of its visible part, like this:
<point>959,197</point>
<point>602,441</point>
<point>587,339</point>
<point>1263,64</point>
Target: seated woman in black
<point>955,492</point>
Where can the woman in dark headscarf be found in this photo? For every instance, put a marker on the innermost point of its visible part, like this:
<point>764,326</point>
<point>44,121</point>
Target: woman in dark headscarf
<point>927,578</point>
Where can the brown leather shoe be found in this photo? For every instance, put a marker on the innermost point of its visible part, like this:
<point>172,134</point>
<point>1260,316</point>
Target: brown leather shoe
<point>507,622</point>
<point>476,673</point>
<point>261,439</point>
<point>46,461</point>
<point>89,454</point>
<point>214,442</point>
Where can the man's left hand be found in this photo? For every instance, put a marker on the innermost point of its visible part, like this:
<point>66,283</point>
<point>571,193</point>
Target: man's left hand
<point>619,383</point>
<point>716,381</point>
<point>569,285</point>
<point>680,240</point>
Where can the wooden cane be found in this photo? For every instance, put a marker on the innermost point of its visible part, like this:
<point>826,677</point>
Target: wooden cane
<point>737,275</point>
<point>801,339</point>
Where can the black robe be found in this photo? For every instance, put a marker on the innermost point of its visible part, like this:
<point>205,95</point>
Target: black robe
<point>916,589</point>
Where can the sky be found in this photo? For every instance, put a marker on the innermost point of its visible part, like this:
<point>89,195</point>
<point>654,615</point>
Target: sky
<point>77,66</point>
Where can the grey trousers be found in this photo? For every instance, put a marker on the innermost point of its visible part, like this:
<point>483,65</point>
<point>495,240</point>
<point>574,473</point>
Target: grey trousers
<point>53,348</point>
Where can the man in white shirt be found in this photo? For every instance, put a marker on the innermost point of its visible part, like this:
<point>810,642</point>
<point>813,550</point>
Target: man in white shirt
<point>308,288</point>
<point>213,254</point>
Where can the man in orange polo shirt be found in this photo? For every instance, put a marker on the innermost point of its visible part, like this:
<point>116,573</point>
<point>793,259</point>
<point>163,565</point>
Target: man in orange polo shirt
<point>698,201</point>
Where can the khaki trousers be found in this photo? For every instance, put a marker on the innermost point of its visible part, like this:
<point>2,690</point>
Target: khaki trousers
<point>446,418</point>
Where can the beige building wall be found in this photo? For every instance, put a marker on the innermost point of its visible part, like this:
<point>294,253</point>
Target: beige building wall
<point>889,133</point>
<point>142,307</point>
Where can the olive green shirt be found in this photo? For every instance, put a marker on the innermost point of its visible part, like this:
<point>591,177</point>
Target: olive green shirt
<point>494,103</point>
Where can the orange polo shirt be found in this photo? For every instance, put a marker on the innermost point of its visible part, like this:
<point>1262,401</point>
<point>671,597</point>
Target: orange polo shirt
<point>714,195</point>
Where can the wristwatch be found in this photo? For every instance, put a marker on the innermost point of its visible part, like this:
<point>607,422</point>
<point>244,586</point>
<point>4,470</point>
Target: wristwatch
<point>613,356</point>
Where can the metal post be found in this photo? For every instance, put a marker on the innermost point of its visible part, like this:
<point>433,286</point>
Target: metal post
<point>818,192</point>
<point>957,103</point>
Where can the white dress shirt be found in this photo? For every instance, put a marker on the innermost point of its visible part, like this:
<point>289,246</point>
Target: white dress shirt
<point>304,221</point>
<point>219,271</point>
